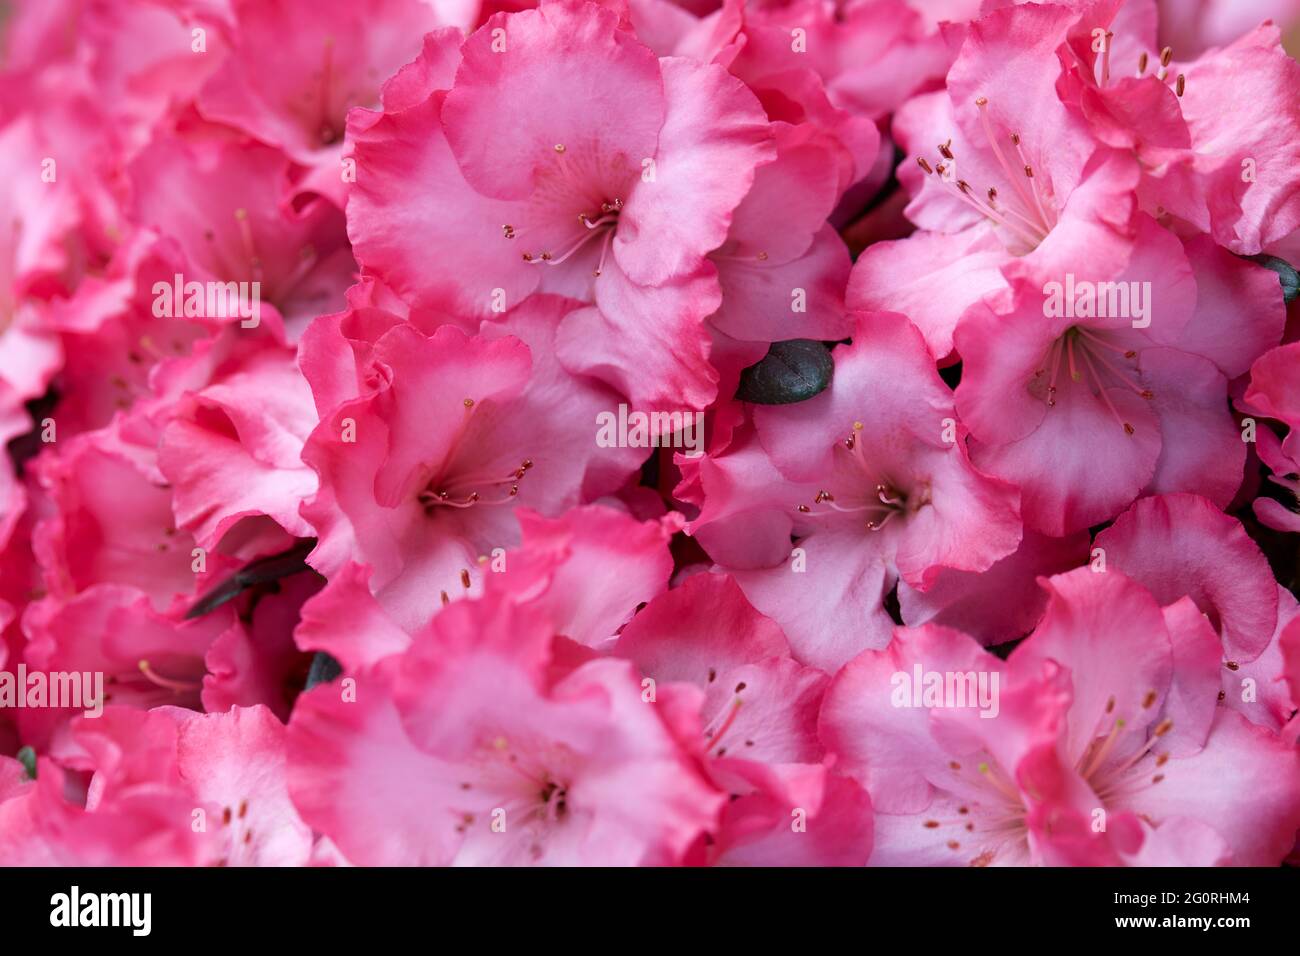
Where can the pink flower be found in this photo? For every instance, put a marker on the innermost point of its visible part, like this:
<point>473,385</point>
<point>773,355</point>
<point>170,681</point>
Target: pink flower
<point>1182,546</point>
<point>613,194</point>
<point>1105,745</point>
<point>227,205</point>
<point>1216,135</point>
<point>1274,393</point>
<point>1125,405</point>
<point>296,68</point>
<point>167,787</point>
<point>783,268</point>
<point>872,56</point>
<point>420,475</point>
<point>232,449</point>
<point>481,744</point>
<point>977,547</point>
<point>870,480</point>
<point>588,571</point>
<point>32,256</point>
<point>110,521</point>
<point>760,727</point>
<point>1001,603</point>
<point>1017,182</point>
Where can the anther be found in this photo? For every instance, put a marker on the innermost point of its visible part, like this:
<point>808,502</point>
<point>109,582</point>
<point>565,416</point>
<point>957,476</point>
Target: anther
<point>1180,84</point>
<point>920,161</point>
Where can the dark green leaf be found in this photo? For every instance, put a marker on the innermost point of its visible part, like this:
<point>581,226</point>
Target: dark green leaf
<point>792,371</point>
<point>262,571</point>
<point>27,757</point>
<point>323,670</point>
<point>1286,275</point>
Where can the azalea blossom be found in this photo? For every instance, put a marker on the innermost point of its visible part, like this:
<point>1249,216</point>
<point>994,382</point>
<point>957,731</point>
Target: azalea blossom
<point>656,433</point>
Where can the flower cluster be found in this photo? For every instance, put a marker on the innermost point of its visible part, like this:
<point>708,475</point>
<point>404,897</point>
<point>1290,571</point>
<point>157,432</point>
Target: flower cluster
<point>649,432</point>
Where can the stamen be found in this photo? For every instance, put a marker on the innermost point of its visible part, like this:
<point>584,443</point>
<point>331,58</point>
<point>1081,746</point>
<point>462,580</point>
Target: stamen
<point>1101,392</point>
<point>1088,334</point>
<point>181,687</point>
<point>1104,750</point>
<point>1123,377</point>
<point>1058,347</point>
<point>962,191</point>
<point>250,249</point>
<point>1142,63</point>
<point>432,499</point>
<point>594,226</point>
<point>1012,178</point>
<point>1033,183</point>
<point>716,737</point>
<point>1160,730</point>
<point>996,780</point>
<point>604,250</point>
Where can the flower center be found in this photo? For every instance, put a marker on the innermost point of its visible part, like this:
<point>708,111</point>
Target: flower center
<point>1089,358</point>
<point>1031,215</point>
<point>1112,780</point>
<point>870,494</point>
<point>454,486</point>
<point>602,223</point>
<point>468,490</point>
